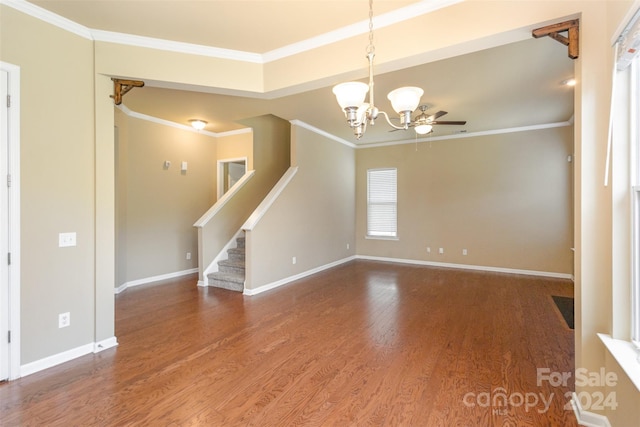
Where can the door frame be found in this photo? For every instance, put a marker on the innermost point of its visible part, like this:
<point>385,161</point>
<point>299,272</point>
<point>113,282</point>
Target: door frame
<point>13,169</point>
<point>221,163</point>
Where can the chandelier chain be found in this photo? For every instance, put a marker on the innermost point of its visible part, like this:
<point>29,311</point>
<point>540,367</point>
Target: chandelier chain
<point>371,48</point>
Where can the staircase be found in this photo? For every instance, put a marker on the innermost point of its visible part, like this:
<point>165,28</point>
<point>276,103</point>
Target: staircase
<point>230,274</point>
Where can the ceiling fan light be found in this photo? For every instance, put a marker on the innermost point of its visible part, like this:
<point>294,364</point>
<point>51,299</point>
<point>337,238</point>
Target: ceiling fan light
<point>350,94</point>
<point>423,129</point>
<point>405,98</point>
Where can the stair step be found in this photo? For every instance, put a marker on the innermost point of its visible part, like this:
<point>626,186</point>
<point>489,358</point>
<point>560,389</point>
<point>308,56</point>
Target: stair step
<point>229,281</point>
<point>231,266</point>
<point>240,242</point>
<point>236,254</point>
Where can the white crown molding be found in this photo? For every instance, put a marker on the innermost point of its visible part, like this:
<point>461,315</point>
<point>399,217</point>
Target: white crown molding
<point>174,46</point>
<point>180,126</point>
<point>49,17</point>
<point>381,21</point>
<point>349,144</point>
<point>469,135</point>
<point>362,27</point>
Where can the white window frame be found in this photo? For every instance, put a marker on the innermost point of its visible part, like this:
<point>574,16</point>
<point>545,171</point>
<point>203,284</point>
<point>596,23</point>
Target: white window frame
<point>392,228</point>
<point>634,135</point>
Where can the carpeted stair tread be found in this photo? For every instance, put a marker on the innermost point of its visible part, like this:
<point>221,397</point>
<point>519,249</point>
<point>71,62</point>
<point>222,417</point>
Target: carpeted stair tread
<point>229,277</point>
<point>224,284</point>
<point>231,274</point>
<point>232,263</point>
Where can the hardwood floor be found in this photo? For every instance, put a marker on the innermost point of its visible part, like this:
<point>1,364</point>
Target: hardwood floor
<point>364,343</point>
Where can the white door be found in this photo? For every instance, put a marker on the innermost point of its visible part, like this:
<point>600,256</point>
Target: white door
<point>4,229</point>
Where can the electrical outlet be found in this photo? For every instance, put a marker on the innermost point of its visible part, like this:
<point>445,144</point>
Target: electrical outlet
<point>64,320</point>
<point>428,250</point>
<point>293,260</point>
<point>347,246</point>
<point>188,255</point>
<point>464,252</point>
<point>441,250</point>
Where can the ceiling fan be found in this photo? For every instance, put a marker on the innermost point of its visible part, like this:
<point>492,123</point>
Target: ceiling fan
<point>423,122</point>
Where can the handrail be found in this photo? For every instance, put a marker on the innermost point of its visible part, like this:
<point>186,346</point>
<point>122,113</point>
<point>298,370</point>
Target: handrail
<point>204,219</point>
<point>263,207</point>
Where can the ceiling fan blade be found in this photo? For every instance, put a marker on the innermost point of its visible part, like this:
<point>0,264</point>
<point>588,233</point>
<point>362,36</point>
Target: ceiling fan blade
<point>436,115</point>
<point>445,122</point>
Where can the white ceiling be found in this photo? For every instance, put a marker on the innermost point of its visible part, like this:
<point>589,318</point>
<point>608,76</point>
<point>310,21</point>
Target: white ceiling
<point>514,85</point>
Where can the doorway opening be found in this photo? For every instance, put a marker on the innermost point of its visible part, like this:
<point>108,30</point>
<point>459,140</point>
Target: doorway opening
<point>229,172</point>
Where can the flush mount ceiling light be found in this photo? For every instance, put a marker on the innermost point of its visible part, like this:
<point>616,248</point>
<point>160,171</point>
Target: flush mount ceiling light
<point>351,97</point>
<point>198,124</point>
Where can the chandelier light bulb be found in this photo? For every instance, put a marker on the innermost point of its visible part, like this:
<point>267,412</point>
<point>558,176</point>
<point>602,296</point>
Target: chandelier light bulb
<point>351,97</point>
<point>405,98</point>
<point>350,94</point>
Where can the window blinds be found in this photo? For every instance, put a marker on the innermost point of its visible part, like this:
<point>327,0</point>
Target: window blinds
<point>382,202</point>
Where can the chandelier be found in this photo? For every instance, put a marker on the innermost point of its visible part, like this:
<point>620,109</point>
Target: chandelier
<point>351,98</point>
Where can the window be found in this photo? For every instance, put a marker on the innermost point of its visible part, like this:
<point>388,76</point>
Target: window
<point>382,209</point>
<point>635,199</point>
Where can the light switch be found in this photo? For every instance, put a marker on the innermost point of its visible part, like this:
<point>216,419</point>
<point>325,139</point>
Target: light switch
<point>66,239</point>
<point>184,167</point>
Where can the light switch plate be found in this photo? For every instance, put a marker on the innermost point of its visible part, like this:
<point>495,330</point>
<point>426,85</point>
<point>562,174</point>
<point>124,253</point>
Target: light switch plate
<point>67,240</point>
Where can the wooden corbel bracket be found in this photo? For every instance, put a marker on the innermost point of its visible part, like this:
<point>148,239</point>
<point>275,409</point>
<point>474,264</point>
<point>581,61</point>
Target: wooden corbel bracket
<point>554,30</point>
<point>121,87</point>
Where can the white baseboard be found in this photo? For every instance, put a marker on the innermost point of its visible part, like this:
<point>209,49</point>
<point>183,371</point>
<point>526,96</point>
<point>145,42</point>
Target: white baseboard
<point>586,418</point>
<point>284,281</point>
<point>152,279</point>
<point>105,344</point>
<point>468,267</point>
<point>66,356</point>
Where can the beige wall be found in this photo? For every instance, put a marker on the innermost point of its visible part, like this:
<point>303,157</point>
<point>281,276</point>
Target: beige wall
<point>57,182</point>
<point>625,396</point>
<point>236,146</point>
<point>59,133</point>
<point>165,66</point>
<point>505,198</point>
<point>157,206</point>
<point>271,149</point>
<point>313,218</point>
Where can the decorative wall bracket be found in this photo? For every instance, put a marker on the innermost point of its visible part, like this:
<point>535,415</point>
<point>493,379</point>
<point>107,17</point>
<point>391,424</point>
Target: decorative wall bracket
<point>571,40</point>
<point>121,87</point>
